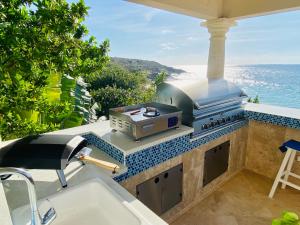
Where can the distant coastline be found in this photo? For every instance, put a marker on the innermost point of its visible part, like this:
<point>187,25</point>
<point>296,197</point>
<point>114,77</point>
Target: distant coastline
<point>151,67</point>
<point>275,84</point>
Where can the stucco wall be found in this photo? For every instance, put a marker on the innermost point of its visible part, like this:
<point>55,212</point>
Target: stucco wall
<point>263,155</point>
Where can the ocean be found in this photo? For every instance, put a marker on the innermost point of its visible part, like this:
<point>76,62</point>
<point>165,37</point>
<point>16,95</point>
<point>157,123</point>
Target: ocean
<point>273,84</point>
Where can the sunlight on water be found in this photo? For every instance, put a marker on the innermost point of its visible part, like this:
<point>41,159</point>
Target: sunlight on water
<point>274,84</point>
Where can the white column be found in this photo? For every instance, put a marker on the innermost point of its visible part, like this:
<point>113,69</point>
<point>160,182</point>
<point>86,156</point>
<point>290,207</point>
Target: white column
<point>216,59</point>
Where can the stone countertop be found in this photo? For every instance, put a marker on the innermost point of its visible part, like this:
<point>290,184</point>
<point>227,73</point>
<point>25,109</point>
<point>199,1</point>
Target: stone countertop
<point>273,110</point>
<point>121,141</point>
<point>127,145</point>
<point>280,116</point>
<point>124,143</point>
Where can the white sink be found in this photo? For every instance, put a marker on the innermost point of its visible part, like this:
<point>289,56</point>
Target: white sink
<point>93,202</point>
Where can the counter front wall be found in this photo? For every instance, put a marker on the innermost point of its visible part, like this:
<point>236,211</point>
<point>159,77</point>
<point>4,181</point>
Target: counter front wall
<point>193,162</point>
<point>263,155</point>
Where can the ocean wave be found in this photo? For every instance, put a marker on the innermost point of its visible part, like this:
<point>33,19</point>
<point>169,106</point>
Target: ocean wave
<point>274,84</point>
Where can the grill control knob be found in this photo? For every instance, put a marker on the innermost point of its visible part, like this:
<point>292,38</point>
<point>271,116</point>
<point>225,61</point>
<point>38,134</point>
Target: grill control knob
<point>207,126</point>
<point>228,118</point>
<point>223,120</point>
<point>212,124</point>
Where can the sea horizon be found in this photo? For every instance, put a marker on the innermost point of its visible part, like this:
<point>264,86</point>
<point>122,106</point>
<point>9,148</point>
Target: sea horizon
<point>274,84</point>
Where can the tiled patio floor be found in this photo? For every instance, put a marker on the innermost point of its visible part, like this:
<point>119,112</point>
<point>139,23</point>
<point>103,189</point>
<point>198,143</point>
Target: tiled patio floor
<point>242,200</point>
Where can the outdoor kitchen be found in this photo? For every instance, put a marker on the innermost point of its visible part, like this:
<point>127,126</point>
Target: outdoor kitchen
<point>198,154</point>
<point>173,153</point>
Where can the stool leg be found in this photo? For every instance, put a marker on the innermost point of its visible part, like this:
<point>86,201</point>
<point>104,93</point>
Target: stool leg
<point>289,167</point>
<point>280,171</point>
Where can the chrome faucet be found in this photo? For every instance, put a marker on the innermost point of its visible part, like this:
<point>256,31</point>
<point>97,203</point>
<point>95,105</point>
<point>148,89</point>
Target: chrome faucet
<point>36,218</point>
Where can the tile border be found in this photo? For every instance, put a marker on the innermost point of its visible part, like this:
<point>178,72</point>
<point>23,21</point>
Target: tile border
<point>273,119</point>
<point>152,156</point>
<point>144,159</point>
<point>106,147</point>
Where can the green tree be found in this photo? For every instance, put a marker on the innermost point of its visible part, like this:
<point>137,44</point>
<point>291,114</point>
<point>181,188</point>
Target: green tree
<point>160,78</point>
<point>40,40</point>
<point>255,100</point>
<point>116,86</point>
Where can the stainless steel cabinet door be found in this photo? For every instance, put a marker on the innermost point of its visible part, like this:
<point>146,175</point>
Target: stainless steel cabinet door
<point>172,187</point>
<point>163,191</point>
<point>216,162</point>
<point>150,193</point>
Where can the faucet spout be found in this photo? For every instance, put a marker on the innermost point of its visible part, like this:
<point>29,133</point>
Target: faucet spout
<point>36,218</point>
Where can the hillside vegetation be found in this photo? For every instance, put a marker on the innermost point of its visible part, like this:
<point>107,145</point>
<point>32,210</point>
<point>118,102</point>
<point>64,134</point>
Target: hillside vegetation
<point>150,67</point>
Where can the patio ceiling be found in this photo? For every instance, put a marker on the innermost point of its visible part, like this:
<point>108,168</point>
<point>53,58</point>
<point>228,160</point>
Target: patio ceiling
<point>212,9</point>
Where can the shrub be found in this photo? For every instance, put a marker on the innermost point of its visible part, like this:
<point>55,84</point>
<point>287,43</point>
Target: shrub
<point>39,42</point>
<point>116,86</point>
<point>287,218</point>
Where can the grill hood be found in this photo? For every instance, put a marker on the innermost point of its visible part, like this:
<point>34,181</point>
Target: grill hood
<point>202,92</point>
<point>199,98</point>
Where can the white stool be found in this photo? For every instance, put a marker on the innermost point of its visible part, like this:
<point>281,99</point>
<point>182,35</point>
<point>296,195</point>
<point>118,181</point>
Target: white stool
<point>291,147</point>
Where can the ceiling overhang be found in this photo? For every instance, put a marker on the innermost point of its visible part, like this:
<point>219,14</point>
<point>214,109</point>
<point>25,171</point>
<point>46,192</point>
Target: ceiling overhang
<point>212,9</point>
<point>204,9</point>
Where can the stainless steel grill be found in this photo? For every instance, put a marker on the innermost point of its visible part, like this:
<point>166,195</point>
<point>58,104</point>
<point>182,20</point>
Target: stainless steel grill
<point>142,120</point>
<point>206,105</point>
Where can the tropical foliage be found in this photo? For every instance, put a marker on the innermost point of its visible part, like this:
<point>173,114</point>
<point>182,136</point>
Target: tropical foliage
<point>83,107</point>
<point>116,86</point>
<point>287,218</point>
<point>41,40</point>
<point>48,66</point>
<point>254,100</point>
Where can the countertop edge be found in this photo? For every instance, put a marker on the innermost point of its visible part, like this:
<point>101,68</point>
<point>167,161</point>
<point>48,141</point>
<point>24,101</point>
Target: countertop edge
<point>280,116</point>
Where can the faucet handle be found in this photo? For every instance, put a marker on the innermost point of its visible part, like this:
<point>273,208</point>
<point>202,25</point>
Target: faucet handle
<point>49,215</point>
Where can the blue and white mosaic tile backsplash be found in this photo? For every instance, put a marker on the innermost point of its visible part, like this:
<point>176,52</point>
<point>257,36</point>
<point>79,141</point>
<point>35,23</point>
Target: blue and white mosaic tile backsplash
<point>112,151</point>
<point>142,160</point>
<point>273,119</point>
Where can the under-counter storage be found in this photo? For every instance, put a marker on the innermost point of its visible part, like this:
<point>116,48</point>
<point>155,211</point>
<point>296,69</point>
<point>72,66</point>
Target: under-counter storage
<point>163,191</point>
<point>215,162</point>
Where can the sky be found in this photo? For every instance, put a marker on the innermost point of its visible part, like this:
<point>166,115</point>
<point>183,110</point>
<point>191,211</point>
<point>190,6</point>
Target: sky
<point>141,32</point>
